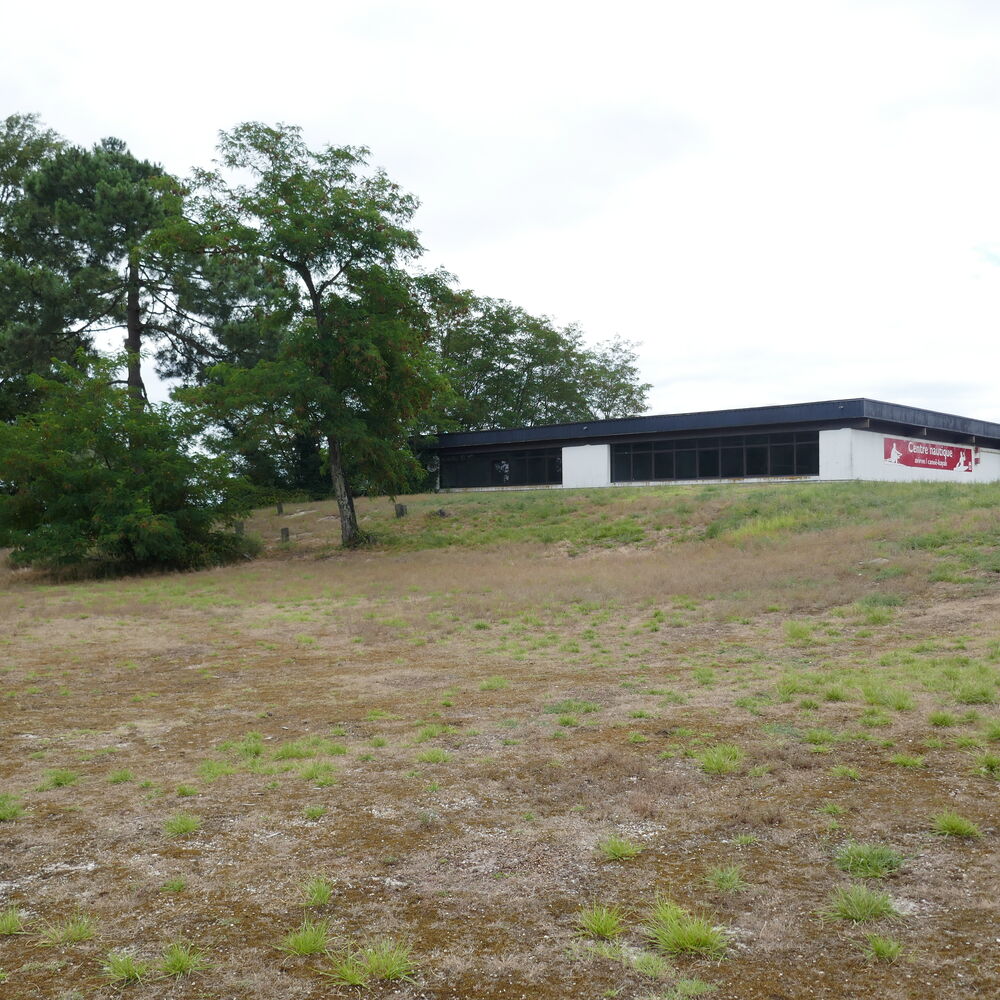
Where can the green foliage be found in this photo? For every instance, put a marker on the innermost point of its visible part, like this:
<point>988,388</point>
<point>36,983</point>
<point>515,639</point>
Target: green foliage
<point>675,931</point>
<point>10,807</point>
<point>859,904</point>
<point>616,848</point>
<point>601,921</point>
<point>951,824</point>
<point>868,860</point>
<point>512,369</point>
<point>309,939</point>
<point>180,959</point>
<point>354,368</point>
<point>89,479</point>
<point>121,968</point>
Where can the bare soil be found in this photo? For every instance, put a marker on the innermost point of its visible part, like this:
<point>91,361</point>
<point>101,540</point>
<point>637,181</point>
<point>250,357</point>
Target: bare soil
<point>481,862</point>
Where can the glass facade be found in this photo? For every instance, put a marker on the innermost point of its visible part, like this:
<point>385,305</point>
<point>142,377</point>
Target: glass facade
<point>731,457</point>
<point>535,467</point>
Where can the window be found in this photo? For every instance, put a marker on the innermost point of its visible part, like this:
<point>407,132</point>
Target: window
<point>534,467</point>
<point>734,457</point>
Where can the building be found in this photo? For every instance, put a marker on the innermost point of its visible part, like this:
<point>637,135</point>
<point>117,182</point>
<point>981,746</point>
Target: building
<point>838,439</point>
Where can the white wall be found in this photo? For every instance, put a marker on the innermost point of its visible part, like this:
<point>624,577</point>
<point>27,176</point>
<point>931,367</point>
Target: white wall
<point>855,454</point>
<point>586,465</point>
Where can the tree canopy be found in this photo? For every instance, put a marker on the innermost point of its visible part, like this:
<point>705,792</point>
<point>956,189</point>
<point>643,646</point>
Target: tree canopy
<point>283,290</point>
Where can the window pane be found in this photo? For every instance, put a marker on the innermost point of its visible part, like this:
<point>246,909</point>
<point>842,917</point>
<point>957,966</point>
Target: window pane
<point>621,464</point>
<point>663,465</point>
<point>732,463</point>
<point>757,460</point>
<point>708,463</point>
<point>685,464</point>
<point>807,459</point>
<point>642,466</point>
<point>783,460</point>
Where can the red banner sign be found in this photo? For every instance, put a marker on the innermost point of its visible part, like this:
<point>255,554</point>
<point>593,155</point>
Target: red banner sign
<point>930,455</point>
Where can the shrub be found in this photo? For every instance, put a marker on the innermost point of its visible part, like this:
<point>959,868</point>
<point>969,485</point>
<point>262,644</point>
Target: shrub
<point>91,479</point>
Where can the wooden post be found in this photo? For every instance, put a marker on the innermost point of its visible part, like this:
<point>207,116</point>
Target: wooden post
<point>401,510</point>
<point>284,534</point>
<point>281,507</point>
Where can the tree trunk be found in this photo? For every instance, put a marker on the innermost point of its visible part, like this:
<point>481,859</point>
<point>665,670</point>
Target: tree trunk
<point>133,336</point>
<point>350,536</point>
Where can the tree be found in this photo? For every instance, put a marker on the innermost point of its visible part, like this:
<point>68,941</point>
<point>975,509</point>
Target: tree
<point>355,368</point>
<point>96,251</point>
<point>512,369</point>
<point>90,479</point>
<point>33,326</point>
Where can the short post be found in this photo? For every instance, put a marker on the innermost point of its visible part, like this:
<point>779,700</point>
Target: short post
<point>401,510</point>
<point>281,507</point>
<point>284,534</point>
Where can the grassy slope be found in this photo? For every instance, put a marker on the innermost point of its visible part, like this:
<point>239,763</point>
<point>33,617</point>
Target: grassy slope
<point>751,677</point>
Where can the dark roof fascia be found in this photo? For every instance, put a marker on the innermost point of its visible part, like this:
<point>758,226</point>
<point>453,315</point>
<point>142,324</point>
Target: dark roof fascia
<point>832,412</point>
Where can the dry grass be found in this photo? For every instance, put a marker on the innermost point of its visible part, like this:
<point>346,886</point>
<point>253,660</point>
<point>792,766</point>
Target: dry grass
<point>453,812</point>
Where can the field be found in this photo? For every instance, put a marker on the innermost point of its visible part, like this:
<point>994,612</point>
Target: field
<point>734,741</point>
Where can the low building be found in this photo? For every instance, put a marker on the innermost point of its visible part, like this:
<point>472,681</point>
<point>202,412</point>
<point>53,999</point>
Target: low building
<point>839,439</point>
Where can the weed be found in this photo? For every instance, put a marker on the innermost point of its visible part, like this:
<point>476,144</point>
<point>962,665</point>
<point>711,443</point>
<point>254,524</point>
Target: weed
<point>988,765</point>
<point>868,860</point>
<point>843,771</point>
<point>494,684</point>
<point>11,921</point>
<point>942,719</point>
<point>432,732</point>
<point>310,938</point>
<point>746,839</point>
<point>689,988</point>
<point>317,891</point>
<point>859,904</point>
<point>951,824</point>
<point>348,969</point>
<point>600,921</point>
<point>180,959</point>
<point>882,949</point>
<point>636,737</point>
<point>615,848</point>
<point>209,770</point>
<point>121,777</point>
<point>186,791</point>
<point>727,878</point>
<point>181,824</point>
<point>314,812</point>
<point>992,731</point>
<point>799,632</point>
<point>79,927</point>
<point>10,808</point>
<point>905,760</point>
<point>378,742</point>
<point>571,706</point>
<point>320,772</point>
<point>568,721</point>
<point>675,931</point>
<point>59,777</point>
<point>387,959</point>
<point>174,885</point>
<point>435,755</point>
<point>120,967</point>
<point>722,758</point>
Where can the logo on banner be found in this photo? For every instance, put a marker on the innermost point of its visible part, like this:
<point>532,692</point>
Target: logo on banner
<point>928,455</point>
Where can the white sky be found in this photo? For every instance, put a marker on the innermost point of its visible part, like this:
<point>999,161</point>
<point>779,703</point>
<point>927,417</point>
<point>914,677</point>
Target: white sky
<point>782,200</point>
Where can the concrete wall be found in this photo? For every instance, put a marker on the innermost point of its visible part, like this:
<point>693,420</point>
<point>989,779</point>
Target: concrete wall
<point>586,465</point>
<point>854,454</point>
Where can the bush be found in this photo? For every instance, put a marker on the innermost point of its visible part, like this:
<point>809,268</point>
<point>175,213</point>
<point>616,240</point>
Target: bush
<point>92,479</point>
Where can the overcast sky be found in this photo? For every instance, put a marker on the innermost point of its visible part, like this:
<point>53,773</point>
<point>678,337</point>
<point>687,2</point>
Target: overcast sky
<point>780,200</point>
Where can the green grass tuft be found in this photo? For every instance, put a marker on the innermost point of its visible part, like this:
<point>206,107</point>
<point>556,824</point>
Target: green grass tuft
<point>615,848</point>
<point>868,860</point>
<point>600,921</point>
<point>675,931</point>
<point>181,824</point>
<point>309,939</point>
<point>951,824</point>
<point>180,959</point>
<point>859,904</point>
